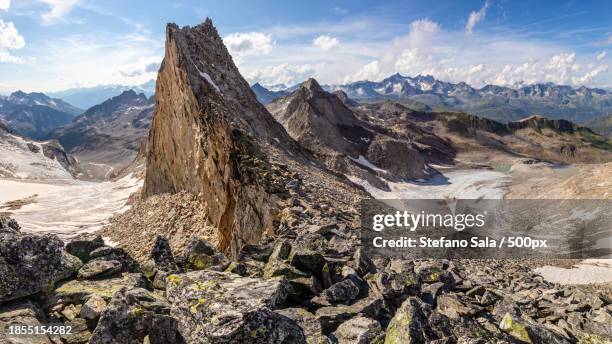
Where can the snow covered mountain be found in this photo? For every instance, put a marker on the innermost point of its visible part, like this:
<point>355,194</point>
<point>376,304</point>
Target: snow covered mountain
<point>35,115</point>
<point>497,102</point>
<point>86,97</point>
<point>22,158</point>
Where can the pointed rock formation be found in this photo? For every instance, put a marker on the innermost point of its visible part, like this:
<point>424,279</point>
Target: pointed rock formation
<point>211,137</point>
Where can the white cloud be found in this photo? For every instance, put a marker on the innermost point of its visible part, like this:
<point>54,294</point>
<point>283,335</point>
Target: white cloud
<point>590,75</point>
<point>248,43</point>
<point>5,4</point>
<point>325,42</point>
<point>601,56</point>
<point>449,56</point>
<point>58,9</point>
<point>144,66</point>
<point>285,73</point>
<point>407,52</point>
<point>10,39</point>
<point>475,17</point>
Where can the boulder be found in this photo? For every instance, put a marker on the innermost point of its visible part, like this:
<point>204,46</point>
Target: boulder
<point>306,260</point>
<point>21,313</point>
<point>529,332</point>
<point>31,263</point>
<point>309,323</point>
<point>259,253</point>
<point>128,263</point>
<point>79,333</point>
<point>98,268</point>
<point>8,224</point>
<point>80,291</point>
<point>200,254</point>
<point>221,307</point>
<point>161,263</point>
<point>331,317</point>
<point>132,315</point>
<point>359,330</point>
<point>341,292</point>
<point>93,308</point>
<point>83,244</point>
<point>416,322</point>
<point>451,306</point>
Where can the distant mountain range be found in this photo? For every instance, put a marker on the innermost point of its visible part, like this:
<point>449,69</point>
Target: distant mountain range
<point>109,135</point>
<point>35,115</point>
<point>496,102</point>
<point>86,97</point>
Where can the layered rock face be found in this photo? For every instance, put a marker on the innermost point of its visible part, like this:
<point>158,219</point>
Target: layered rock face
<point>211,137</point>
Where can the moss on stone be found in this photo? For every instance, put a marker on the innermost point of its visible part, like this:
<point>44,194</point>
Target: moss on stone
<point>514,328</point>
<point>398,330</point>
<point>174,279</point>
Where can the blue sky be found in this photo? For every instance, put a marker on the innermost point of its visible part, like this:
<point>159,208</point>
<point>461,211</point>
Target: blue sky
<point>50,45</point>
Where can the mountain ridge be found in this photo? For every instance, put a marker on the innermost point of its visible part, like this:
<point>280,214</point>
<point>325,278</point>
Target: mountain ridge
<point>35,114</point>
<point>502,103</point>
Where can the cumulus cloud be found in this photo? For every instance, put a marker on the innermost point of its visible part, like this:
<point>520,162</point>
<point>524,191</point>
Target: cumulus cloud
<point>325,42</point>
<point>447,55</point>
<point>601,56</point>
<point>5,4</point>
<point>248,43</point>
<point>475,17</point>
<point>590,75</point>
<point>58,9</point>
<point>144,66</point>
<point>288,74</point>
<point>410,51</point>
<point>10,39</point>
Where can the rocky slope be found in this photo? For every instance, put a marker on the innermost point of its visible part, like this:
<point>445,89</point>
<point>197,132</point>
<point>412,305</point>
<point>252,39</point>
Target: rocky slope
<point>109,135</point>
<point>322,123</point>
<point>35,115</point>
<point>602,125</point>
<point>316,289</point>
<point>211,137</point>
<point>533,137</point>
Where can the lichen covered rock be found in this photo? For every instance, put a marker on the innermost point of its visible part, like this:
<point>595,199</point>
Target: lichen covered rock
<point>220,307</point>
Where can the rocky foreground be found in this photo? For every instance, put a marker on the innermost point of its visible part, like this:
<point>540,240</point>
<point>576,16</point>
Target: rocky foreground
<point>316,288</point>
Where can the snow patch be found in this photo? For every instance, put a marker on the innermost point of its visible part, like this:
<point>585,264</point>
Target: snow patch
<point>364,162</point>
<point>462,184</point>
<point>586,272</point>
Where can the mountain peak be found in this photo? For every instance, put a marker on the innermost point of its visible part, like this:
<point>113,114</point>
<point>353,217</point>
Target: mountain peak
<point>312,85</point>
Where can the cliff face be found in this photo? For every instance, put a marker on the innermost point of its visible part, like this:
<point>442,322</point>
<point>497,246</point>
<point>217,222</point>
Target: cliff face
<point>201,137</point>
<point>212,138</point>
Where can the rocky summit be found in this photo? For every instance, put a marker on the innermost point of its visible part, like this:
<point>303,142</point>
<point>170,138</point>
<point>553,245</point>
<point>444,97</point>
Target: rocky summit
<point>242,235</point>
<point>211,137</point>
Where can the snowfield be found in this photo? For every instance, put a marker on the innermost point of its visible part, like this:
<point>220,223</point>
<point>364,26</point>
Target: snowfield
<point>67,209</point>
<point>587,271</point>
<point>18,160</point>
<point>461,184</point>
